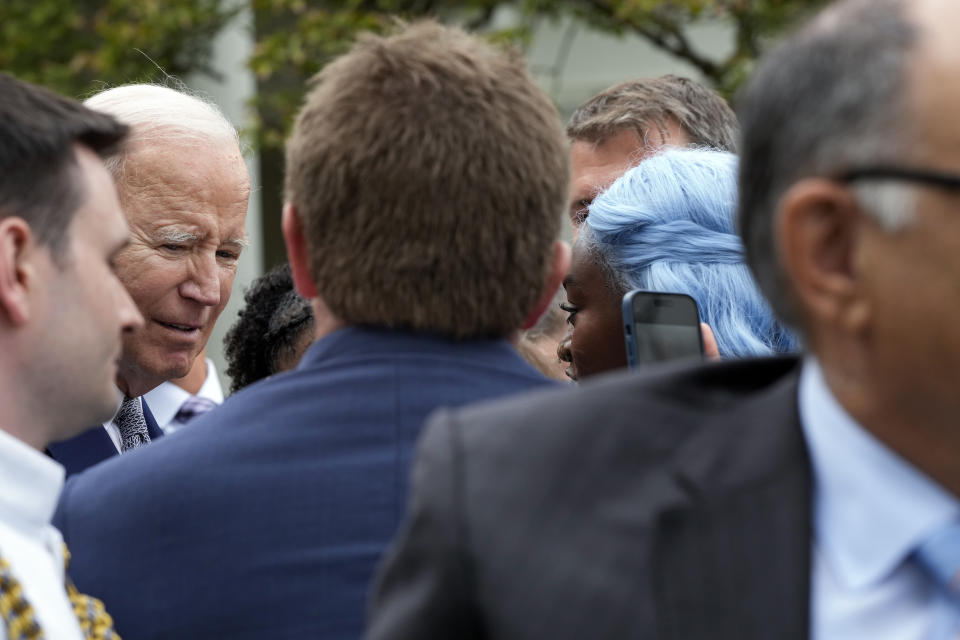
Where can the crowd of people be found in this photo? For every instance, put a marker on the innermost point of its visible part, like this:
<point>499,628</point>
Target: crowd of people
<point>403,454</point>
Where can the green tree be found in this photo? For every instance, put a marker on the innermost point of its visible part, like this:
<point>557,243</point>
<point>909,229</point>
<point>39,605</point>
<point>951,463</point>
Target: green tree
<point>79,46</point>
<point>297,37</point>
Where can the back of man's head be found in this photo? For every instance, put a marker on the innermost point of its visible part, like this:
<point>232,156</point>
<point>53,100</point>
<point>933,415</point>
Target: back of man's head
<point>429,173</point>
<point>830,98</point>
<point>37,158</point>
<point>652,104</point>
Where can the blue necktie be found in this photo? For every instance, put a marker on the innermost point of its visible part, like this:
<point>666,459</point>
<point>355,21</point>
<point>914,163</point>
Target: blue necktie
<point>940,556</point>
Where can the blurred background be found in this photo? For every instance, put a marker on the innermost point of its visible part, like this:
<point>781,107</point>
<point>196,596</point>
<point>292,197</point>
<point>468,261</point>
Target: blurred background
<point>255,57</point>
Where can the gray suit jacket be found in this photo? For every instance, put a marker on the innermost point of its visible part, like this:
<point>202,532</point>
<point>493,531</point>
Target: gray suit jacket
<point>668,504</point>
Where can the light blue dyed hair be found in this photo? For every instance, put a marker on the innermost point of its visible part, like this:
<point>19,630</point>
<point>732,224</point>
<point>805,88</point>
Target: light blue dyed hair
<point>668,225</point>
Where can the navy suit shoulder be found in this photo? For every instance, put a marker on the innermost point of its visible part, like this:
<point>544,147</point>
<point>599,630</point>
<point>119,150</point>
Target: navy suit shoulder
<point>673,503</point>
<point>94,445</point>
<point>267,516</point>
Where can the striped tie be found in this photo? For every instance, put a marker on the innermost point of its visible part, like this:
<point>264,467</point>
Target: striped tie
<point>194,406</point>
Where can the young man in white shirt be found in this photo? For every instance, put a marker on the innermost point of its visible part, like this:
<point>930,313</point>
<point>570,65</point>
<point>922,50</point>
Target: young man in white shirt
<point>62,313</point>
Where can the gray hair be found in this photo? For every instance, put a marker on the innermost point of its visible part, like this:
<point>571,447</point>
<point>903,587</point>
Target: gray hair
<point>828,99</point>
<point>649,103</point>
<point>154,112</point>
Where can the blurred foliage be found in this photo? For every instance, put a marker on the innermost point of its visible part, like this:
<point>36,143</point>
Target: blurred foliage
<point>665,24</point>
<point>77,47</point>
<point>297,37</point>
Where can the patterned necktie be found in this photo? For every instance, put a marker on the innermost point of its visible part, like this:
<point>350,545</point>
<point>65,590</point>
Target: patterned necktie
<point>940,556</point>
<point>193,406</point>
<point>132,425</point>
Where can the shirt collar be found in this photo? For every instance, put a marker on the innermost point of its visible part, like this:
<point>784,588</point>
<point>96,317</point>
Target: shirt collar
<point>871,507</point>
<point>211,389</point>
<point>31,485</point>
<point>165,401</point>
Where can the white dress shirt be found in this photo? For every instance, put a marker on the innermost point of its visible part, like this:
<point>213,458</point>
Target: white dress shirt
<point>871,508</point>
<point>30,485</point>
<point>165,401</point>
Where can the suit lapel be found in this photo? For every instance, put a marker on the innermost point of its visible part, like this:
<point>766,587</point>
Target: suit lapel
<point>94,445</point>
<point>734,560</point>
<point>84,450</point>
<point>152,427</point>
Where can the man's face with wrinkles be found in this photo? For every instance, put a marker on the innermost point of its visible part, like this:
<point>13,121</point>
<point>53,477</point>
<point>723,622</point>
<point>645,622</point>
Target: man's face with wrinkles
<point>186,206</point>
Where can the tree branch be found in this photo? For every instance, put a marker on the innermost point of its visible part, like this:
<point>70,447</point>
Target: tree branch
<point>664,34</point>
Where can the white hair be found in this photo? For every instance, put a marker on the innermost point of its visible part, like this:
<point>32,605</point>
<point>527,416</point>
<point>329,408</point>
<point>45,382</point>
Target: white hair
<point>154,112</point>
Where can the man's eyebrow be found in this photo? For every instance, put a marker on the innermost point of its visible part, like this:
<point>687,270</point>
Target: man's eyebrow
<point>569,280</point>
<point>241,241</point>
<point>176,236</point>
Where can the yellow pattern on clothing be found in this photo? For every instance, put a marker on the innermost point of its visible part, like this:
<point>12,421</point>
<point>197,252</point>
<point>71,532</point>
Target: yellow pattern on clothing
<point>21,622</point>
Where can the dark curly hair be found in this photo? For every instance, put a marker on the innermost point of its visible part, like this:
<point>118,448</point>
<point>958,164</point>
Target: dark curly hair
<point>270,330</point>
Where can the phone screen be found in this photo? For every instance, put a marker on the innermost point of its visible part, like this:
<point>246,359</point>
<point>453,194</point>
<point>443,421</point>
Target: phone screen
<point>660,326</point>
<point>658,342</point>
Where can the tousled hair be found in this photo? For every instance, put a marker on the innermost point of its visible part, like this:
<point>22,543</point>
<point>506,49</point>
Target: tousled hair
<point>38,165</point>
<point>668,225</point>
<point>829,98</point>
<point>430,173</point>
<point>650,103</point>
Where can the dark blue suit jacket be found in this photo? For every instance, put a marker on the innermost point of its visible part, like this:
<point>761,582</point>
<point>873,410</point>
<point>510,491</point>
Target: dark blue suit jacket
<point>266,517</point>
<point>94,445</point>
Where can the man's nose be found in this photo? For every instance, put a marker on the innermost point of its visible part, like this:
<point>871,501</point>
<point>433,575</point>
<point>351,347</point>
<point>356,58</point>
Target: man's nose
<point>203,282</point>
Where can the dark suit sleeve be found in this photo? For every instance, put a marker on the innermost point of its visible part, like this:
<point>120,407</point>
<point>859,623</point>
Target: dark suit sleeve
<point>423,589</point>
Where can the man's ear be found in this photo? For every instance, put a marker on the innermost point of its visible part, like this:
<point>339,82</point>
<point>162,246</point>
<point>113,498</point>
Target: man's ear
<point>558,271</point>
<point>297,252</point>
<point>817,231</point>
<point>17,249</point>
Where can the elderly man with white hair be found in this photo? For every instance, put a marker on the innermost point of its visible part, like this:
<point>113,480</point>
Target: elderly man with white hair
<point>184,188</point>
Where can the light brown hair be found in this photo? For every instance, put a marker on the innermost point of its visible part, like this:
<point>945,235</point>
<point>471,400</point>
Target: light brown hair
<point>430,175</point>
<point>649,103</point>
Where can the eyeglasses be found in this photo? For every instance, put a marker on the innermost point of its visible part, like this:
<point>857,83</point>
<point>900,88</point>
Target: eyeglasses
<point>939,179</point>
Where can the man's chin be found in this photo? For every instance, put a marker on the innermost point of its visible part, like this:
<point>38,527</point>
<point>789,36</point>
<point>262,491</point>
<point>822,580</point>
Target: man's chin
<point>139,378</point>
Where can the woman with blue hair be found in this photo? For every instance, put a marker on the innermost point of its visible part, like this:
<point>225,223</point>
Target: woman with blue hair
<point>666,225</point>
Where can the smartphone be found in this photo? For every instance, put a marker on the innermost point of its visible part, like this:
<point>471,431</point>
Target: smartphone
<point>660,326</point>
